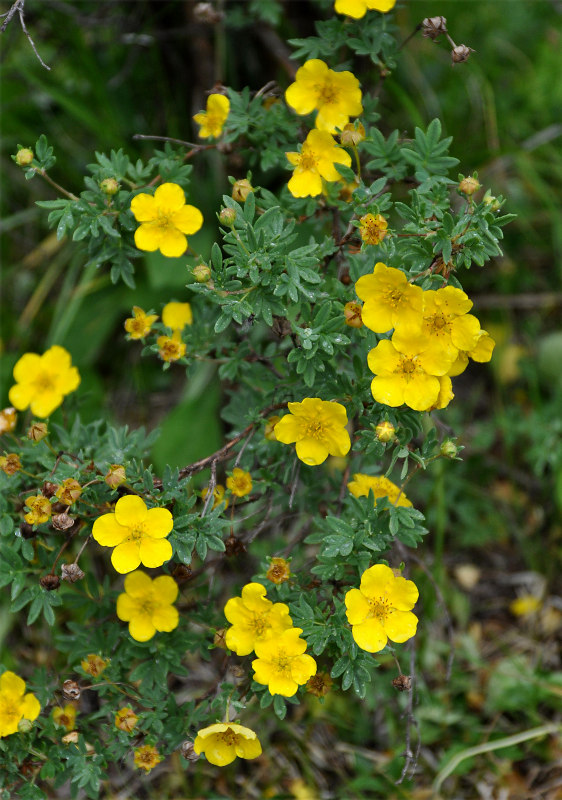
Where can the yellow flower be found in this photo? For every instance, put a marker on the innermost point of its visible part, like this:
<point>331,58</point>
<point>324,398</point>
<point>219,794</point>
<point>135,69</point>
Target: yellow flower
<point>336,95</point>
<point>171,348</point>
<point>14,704</point>
<point>147,757</point>
<point>10,463</point>
<point>373,229</point>
<point>126,719</point>
<point>380,486</point>
<point>481,352</point>
<point>222,742</point>
<point>137,533</point>
<point>254,619</point>
<point>279,570</point>
<point>39,510</point>
<point>139,325</point>
<point>317,159</point>
<point>318,428</point>
<point>406,373</point>
<point>69,491</point>
<point>380,609</point>
<point>239,483</point>
<point>94,665</point>
<point>147,606</point>
<point>446,393</point>
<point>219,495</point>
<point>212,120</point>
<point>389,299</point>
<point>446,325</point>
<point>8,420</point>
<point>358,8</point>
<point>269,430</point>
<point>177,315</point>
<point>525,606</point>
<point>281,664</point>
<point>165,219</point>
<point>43,381</point>
<point>65,717</point>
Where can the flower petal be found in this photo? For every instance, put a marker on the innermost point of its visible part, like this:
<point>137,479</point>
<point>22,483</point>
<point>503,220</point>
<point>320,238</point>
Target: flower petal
<point>127,607</point>
<point>144,208</point>
<point>165,618</point>
<point>240,640</point>
<point>402,594</point>
<point>288,429</point>
<point>370,636</point>
<point>169,197</point>
<point>108,532</point>
<point>141,628</point>
<point>130,510</point>
<point>147,237</point>
<point>30,708</point>
<point>188,219</point>
<point>165,588</point>
<point>138,584</point>
<point>357,607</point>
<point>43,405</point>
<point>12,685</point>
<point>172,243</point>
<point>312,452</point>
<point>159,522</point>
<point>376,579</point>
<point>125,557</point>
<point>400,626</point>
<point>155,552</point>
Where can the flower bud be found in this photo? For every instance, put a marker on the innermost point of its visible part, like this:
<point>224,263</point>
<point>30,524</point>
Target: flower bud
<point>448,449</point>
<point>10,463</point>
<point>37,431</point>
<point>469,185</point>
<point>71,690</point>
<point>71,573</point>
<point>491,201</point>
<point>182,573</point>
<point>8,419</point>
<point>25,725</point>
<point>352,134</point>
<point>219,639</point>
<point>50,582</point>
<point>460,53</point>
<point>241,189</point>
<point>279,571</point>
<point>109,186</point>
<point>62,521</point>
<point>188,751</point>
<point>385,431</point>
<point>352,314</point>
<point>270,424</point>
<point>432,27</point>
<point>24,157</point>
<point>227,216</point>
<point>115,476</point>
<point>319,685</point>
<point>201,273</point>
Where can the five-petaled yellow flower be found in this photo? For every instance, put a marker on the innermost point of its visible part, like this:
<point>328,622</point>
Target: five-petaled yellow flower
<point>139,325</point>
<point>40,510</point>
<point>318,428</point>
<point>446,325</point>
<point>171,348</point>
<point>336,95</point>
<point>380,486</point>
<point>212,120</point>
<point>254,619</point>
<point>177,315</point>
<point>146,605</point>
<point>43,381</point>
<point>137,533</point>
<point>65,717</point>
<point>373,228</point>
<point>381,609</point>
<point>318,159</point>
<point>15,705</point>
<point>222,742</point>
<point>126,719</point>
<point>165,220</point>
<point>389,300</point>
<point>146,757</point>
<point>69,491</point>
<point>240,482</point>
<point>358,8</point>
<point>281,663</point>
<point>94,665</point>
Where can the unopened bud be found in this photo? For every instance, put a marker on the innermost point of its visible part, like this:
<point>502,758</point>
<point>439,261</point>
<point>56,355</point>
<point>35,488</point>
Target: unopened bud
<point>432,27</point>
<point>227,216</point>
<point>188,751</point>
<point>241,189</point>
<point>71,690</point>
<point>62,522</point>
<point>352,134</point>
<point>385,431</point>
<point>115,476</point>
<point>71,573</point>
<point>403,683</point>
<point>24,157</point>
<point>469,185</point>
<point>448,449</point>
<point>50,582</point>
<point>201,273</point>
<point>219,638</point>
<point>460,53</point>
<point>8,419</point>
<point>109,186</point>
<point>269,431</point>
<point>352,314</point>
<point>37,431</point>
<point>25,725</point>
<point>491,201</point>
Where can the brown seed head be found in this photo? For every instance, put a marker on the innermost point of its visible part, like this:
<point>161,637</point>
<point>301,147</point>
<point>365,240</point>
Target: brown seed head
<point>71,573</point>
<point>403,683</point>
<point>319,685</point>
<point>8,420</point>
<point>207,13</point>
<point>188,751</point>
<point>50,582</point>
<point>432,27</point>
<point>115,476</point>
<point>10,463</point>
<point>182,573</point>
<point>352,134</point>
<point>70,738</point>
<point>233,546</point>
<point>279,570</point>
<point>26,530</point>
<point>94,665</point>
<point>461,53</point>
<point>71,690</point>
<point>62,522</point>
<point>219,639</point>
<point>49,489</point>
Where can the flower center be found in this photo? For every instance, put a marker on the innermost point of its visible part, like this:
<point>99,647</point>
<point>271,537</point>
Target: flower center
<point>164,220</point>
<point>44,382</point>
<point>438,324</point>
<point>283,664</point>
<point>328,93</point>
<point>259,625</point>
<point>137,533</point>
<point>308,160</point>
<point>10,711</point>
<point>229,737</point>
<point>407,366</point>
<point>379,608</point>
<point>147,607</point>
<point>394,297</point>
<point>314,430</point>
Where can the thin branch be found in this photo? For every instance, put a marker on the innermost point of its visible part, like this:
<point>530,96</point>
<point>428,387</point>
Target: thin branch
<point>18,7</point>
<point>411,757</point>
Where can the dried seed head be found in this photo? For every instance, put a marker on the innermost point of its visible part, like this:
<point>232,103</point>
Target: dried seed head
<point>8,420</point>
<point>320,684</point>
<point>188,751</point>
<point>49,489</point>
<point>62,522</point>
<point>10,463</point>
<point>71,573</point>
<point>182,573</point>
<point>352,134</point>
<point>71,690</point>
<point>219,639</point>
<point>70,738</point>
<point>115,476</point>
<point>233,546</point>
<point>26,530</point>
<point>50,582</point>
<point>279,571</point>
<point>403,683</point>
<point>94,665</point>
<point>432,27</point>
<point>461,53</point>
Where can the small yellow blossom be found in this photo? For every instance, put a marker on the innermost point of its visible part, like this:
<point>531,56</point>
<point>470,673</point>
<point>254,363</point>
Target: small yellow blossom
<point>389,299</point>
<point>69,491</point>
<point>385,431</point>
<point>373,228</point>
<point>177,315</point>
<point>279,571</point>
<point>8,420</point>
<point>358,8</point>
<point>222,742</point>
<point>137,533</point>
<point>39,510</point>
<point>147,757</point>
<point>381,609</point>
<point>146,605</point>
<point>65,717</point>
<point>219,495</point>
<point>447,326</point>
<point>254,619</point>
<point>140,324</point>
<point>380,486</point>
<point>212,120</point>
<point>126,719</point>
<point>165,220</point>
<point>317,160</point>
<point>15,705</point>
<point>171,348</point>
<point>336,95</point>
<point>94,665</point>
<point>240,482</point>
<point>115,476</point>
<point>269,430</point>
<point>281,663</point>
<point>43,381</point>
<point>318,428</point>
<point>10,463</point>
<point>526,605</point>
